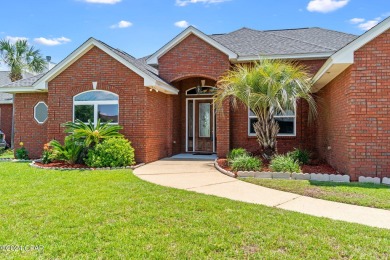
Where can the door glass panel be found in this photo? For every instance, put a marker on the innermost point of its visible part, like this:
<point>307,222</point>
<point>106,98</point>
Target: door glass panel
<point>204,120</point>
<point>190,117</point>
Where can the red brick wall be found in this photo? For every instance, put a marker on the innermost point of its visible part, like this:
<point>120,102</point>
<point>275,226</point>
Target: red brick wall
<point>27,130</point>
<point>369,100</point>
<point>6,121</point>
<point>356,122</point>
<point>112,76</point>
<point>333,135</point>
<point>193,57</point>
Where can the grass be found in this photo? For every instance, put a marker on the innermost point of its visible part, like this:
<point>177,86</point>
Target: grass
<point>113,214</point>
<point>363,194</point>
<point>7,154</point>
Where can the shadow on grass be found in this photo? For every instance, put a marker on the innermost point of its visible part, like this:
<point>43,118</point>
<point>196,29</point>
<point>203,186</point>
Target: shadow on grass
<point>351,184</point>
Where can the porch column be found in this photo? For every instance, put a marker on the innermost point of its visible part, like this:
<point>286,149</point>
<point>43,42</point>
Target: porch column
<point>223,129</point>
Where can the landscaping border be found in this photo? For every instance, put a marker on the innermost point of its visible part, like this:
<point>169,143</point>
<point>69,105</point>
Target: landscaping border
<point>32,164</point>
<point>300,176</point>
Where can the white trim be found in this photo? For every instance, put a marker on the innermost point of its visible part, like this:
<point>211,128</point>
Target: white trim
<point>193,123</point>
<point>279,135</point>
<point>344,57</point>
<point>95,105</point>
<point>35,107</point>
<point>153,60</point>
<point>42,83</point>
<point>302,56</point>
<point>13,90</point>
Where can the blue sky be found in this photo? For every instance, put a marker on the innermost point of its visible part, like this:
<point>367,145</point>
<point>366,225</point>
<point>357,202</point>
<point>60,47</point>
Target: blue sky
<point>140,27</point>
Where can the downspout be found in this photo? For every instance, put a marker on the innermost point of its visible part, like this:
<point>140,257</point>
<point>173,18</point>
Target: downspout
<point>13,121</point>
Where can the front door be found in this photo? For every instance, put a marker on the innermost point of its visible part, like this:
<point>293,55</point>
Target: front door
<point>203,126</point>
<point>200,131</point>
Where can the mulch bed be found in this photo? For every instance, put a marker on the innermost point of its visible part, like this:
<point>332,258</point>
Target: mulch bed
<point>317,168</point>
<point>62,165</point>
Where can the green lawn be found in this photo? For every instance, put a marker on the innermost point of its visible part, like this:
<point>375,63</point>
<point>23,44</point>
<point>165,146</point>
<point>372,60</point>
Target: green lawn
<point>363,194</point>
<point>113,214</point>
<point>6,154</point>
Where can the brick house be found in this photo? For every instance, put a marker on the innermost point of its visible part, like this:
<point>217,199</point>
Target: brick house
<point>164,101</point>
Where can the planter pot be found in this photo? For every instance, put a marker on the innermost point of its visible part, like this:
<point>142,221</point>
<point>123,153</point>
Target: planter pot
<point>339,178</point>
<point>263,175</point>
<point>319,177</point>
<point>374,180</point>
<point>281,175</point>
<point>300,176</point>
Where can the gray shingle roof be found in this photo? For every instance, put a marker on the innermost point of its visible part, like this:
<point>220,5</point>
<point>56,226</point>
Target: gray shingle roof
<point>27,82</point>
<point>249,42</point>
<point>5,97</point>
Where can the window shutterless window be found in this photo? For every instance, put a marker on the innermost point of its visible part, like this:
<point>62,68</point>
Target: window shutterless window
<point>286,121</point>
<point>94,105</point>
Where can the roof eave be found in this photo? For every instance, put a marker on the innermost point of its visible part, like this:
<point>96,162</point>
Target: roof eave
<point>298,56</point>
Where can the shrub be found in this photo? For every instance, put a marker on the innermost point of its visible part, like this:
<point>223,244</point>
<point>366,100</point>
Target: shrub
<point>300,155</point>
<point>69,152</point>
<point>284,163</point>
<point>21,153</point>
<point>246,163</point>
<point>112,152</point>
<point>237,152</point>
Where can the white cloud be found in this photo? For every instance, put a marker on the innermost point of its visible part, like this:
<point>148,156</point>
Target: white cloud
<point>369,24</point>
<point>110,2</point>
<point>187,2</point>
<point>121,24</point>
<point>326,6</point>
<point>13,39</point>
<point>182,24</point>
<point>356,20</point>
<point>52,41</point>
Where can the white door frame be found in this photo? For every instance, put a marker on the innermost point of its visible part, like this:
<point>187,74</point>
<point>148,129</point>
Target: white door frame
<point>193,123</point>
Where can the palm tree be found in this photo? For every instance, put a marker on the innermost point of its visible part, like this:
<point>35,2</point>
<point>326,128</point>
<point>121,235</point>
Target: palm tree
<point>21,57</point>
<point>268,88</point>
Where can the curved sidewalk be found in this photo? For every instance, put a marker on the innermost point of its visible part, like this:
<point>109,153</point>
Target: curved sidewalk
<point>202,177</point>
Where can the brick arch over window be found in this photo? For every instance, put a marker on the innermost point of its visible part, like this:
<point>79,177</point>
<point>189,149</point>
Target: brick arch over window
<point>193,56</point>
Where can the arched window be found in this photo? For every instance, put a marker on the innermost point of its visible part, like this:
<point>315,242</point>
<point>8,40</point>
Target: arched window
<point>94,105</point>
<point>206,90</point>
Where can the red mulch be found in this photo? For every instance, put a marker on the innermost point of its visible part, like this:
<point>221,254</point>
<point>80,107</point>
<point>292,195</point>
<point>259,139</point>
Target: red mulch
<point>318,168</point>
<point>62,165</point>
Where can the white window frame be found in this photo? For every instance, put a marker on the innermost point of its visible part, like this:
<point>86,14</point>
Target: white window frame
<point>200,94</point>
<point>95,105</point>
<point>289,116</point>
<point>35,107</point>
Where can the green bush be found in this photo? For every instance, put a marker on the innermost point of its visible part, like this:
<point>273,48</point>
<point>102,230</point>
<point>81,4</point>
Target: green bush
<point>69,152</point>
<point>237,152</point>
<point>284,163</point>
<point>300,155</point>
<point>246,163</point>
<point>112,152</point>
<point>21,153</point>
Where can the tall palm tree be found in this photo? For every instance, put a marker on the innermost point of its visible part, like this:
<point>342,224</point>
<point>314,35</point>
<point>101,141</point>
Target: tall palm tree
<point>268,88</point>
<point>21,57</point>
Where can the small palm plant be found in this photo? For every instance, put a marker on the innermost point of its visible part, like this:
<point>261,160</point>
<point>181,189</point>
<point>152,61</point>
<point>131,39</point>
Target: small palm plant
<point>90,135</point>
<point>268,88</point>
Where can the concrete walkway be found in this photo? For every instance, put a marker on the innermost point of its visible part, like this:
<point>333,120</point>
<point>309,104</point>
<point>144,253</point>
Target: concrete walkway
<point>202,177</point>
